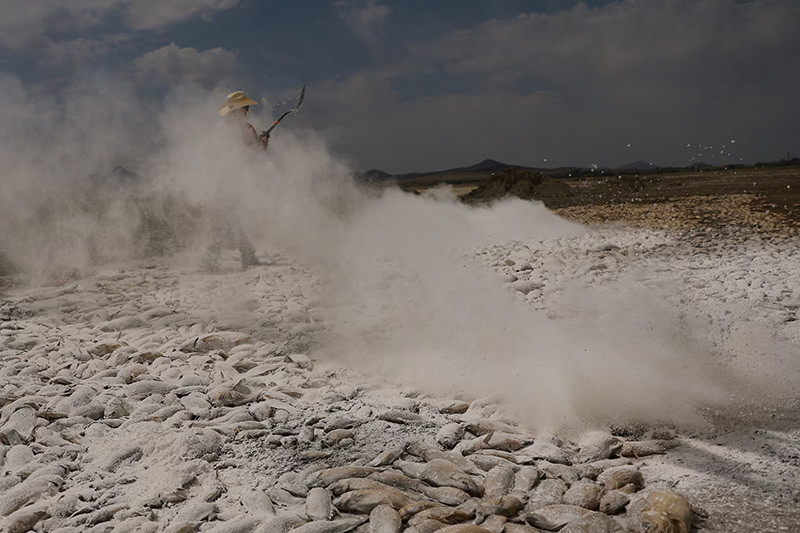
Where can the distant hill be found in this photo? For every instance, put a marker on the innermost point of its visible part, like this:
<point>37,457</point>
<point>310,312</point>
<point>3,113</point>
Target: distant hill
<point>477,172</point>
<point>375,175</point>
<point>487,165</point>
<point>638,165</point>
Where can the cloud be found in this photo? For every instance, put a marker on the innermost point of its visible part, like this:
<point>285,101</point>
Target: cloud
<point>75,51</point>
<point>157,14</point>
<point>363,16</point>
<point>172,64</point>
<point>678,43</point>
<point>27,26</point>
<point>577,86</point>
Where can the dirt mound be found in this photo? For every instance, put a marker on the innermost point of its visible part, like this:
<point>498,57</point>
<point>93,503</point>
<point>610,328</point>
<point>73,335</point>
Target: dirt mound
<point>517,183</point>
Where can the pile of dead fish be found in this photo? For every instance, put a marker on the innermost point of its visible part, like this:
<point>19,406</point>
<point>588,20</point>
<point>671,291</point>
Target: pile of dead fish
<point>485,476</point>
<point>143,423</point>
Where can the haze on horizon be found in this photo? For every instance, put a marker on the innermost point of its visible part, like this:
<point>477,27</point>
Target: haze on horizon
<point>417,86</point>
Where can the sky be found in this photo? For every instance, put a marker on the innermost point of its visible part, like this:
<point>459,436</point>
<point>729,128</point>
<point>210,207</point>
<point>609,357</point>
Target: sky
<point>419,85</point>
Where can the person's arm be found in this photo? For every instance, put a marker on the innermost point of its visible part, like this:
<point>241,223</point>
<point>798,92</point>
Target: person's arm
<point>254,139</point>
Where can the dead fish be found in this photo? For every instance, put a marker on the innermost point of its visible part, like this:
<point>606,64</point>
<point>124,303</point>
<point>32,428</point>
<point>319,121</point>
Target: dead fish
<point>397,479</point>
<point>570,474</point>
<point>282,523</point>
<point>464,528</point>
<point>306,435</point>
<point>413,508</point>
<point>231,394</point>
<point>26,518</point>
<point>643,448</point>
<point>351,484</point>
<point>260,410</point>
<point>597,445</point>
<point>467,447</point>
<point>498,482</point>
<point>445,515</point>
<point>441,473</point>
<point>660,511</point>
<point>482,408</point>
<point>588,471</point>
<point>342,422</point>
<point>410,469</point>
<point>28,491</point>
<point>399,416</point>
<point>583,494</point>
<point>508,506</point>
<point>500,454</point>
<point>619,476</point>
<point>509,442</point>
<point>384,519</point>
<point>222,340</point>
<point>445,495</point>
<point>101,350</point>
<point>284,497</point>
<point>542,449</point>
<point>388,456</point>
<point>323,478</point>
<point>614,501</point>
<point>524,480</point>
<point>520,528</point>
<point>449,435</point>
<point>428,526</point>
<point>487,462</point>
<point>337,526</point>
<point>554,517</point>
<point>243,524</point>
<point>364,501</point>
<point>318,504</point>
<point>484,426</point>
<point>452,407</point>
<point>495,523</point>
<point>547,492</point>
<point>191,514</point>
<point>142,389</point>
<point>429,453</point>
<point>593,523</point>
<point>337,436</point>
<point>605,464</point>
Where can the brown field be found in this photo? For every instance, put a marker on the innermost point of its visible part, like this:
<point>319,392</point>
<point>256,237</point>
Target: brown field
<point>764,199</point>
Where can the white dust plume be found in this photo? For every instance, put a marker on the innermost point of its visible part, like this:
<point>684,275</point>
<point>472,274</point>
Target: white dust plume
<point>404,293</point>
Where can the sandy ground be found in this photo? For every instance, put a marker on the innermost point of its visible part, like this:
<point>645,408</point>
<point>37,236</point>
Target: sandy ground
<point>79,357</point>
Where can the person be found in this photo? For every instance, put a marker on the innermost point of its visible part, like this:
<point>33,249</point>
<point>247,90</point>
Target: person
<point>234,113</point>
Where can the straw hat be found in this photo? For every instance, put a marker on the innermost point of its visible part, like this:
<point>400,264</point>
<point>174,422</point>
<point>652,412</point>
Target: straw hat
<point>236,100</point>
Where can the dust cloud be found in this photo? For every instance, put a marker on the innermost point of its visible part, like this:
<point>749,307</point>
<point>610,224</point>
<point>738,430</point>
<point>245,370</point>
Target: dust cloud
<point>103,176</point>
